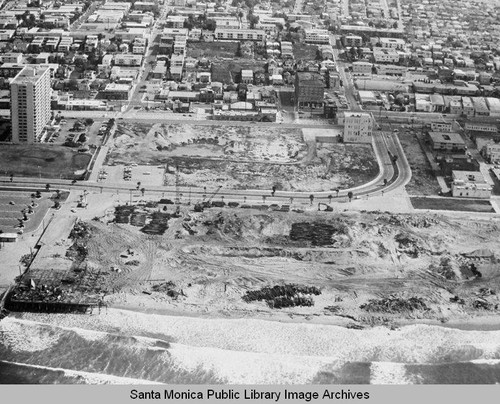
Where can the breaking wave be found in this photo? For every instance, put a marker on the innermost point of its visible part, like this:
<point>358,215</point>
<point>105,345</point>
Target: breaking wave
<point>130,347</point>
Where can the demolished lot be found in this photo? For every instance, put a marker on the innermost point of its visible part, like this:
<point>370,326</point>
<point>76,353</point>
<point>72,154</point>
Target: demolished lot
<point>360,269</point>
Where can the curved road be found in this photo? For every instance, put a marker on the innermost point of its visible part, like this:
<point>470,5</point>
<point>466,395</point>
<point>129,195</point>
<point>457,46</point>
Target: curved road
<point>386,145</point>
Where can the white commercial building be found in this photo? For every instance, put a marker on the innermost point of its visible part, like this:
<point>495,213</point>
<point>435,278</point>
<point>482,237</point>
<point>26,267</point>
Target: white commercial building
<point>358,127</point>
<point>30,104</point>
<point>470,184</point>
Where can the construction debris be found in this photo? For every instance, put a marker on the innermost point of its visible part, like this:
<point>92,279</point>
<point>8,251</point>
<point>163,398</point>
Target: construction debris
<point>280,296</point>
<point>395,305</point>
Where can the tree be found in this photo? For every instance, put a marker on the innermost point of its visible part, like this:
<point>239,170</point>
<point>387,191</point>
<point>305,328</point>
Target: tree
<point>350,195</point>
<point>330,198</point>
<point>138,184</point>
<point>311,198</point>
<point>142,191</point>
<point>337,191</point>
<point>273,190</point>
<point>47,187</point>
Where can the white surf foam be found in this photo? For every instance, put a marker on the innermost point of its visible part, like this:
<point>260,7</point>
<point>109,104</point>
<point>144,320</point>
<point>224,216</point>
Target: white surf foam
<point>89,378</point>
<point>388,373</point>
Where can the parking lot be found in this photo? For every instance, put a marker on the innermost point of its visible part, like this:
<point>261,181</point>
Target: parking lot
<point>119,174</point>
<point>13,202</point>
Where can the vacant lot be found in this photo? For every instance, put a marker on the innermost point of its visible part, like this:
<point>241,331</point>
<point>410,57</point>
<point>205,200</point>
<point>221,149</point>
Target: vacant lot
<point>465,205</point>
<point>46,161</point>
<point>304,51</point>
<point>423,181</point>
<point>212,50</point>
<point>230,71</point>
<point>242,157</point>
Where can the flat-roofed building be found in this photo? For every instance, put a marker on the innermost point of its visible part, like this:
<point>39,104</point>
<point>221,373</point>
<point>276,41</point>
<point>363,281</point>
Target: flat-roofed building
<point>352,40</point>
<point>12,57</point>
<point>30,104</point>
<point>127,59</point>
<point>470,184</point>
<point>309,91</point>
<point>481,127</point>
<point>114,91</point>
<point>175,21</point>
<point>385,55</point>
<point>247,76</point>
<point>491,152</point>
<point>239,34</point>
<point>447,142</point>
<point>393,43</point>
<point>358,127</point>
<point>467,106</point>
<point>362,68</point>
<point>317,36</point>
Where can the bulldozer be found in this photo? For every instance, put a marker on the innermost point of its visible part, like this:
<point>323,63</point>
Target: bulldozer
<point>327,208</point>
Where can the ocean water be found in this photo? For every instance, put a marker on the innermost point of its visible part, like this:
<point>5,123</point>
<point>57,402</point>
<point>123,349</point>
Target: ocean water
<point>123,347</point>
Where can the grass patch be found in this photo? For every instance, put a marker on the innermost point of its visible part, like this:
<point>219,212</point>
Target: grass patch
<point>465,205</point>
<point>304,51</point>
<point>212,49</point>
<point>47,161</point>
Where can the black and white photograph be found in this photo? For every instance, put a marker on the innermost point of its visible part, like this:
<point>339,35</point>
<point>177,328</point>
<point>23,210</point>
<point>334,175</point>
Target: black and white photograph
<point>249,193</point>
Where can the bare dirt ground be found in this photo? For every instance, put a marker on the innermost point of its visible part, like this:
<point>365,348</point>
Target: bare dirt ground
<point>423,180</point>
<point>206,262</point>
<point>242,157</point>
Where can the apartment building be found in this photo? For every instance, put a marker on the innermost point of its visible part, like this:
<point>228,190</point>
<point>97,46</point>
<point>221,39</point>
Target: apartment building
<point>492,152</point>
<point>317,36</point>
<point>447,142</point>
<point>239,34</point>
<point>30,104</point>
<point>127,59</point>
<point>352,40</point>
<point>387,55</point>
<point>393,43</point>
<point>362,68</point>
<point>175,21</point>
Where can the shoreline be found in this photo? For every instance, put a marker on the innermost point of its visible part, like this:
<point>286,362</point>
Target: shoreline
<point>479,323</point>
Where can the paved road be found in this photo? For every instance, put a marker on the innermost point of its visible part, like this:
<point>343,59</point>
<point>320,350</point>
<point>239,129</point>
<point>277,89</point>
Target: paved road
<point>386,146</point>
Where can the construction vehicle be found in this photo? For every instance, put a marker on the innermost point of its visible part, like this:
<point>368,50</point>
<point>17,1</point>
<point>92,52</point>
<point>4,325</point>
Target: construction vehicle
<point>200,206</point>
<point>328,208</point>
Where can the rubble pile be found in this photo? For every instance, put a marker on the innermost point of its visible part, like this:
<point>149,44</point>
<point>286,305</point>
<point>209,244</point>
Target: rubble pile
<point>395,305</point>
<point>168,288</point>
<point>281,296</point>
<point>318,234</point>
<point>123,213</point>
<point>158,224</point>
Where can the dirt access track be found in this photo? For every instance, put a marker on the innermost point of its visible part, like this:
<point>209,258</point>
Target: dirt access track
<point>242,157</point>
<point>206,262</point>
